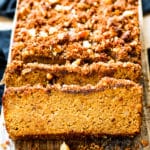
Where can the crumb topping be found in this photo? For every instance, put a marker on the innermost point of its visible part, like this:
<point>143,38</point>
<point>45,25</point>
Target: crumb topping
<point>88,30</point>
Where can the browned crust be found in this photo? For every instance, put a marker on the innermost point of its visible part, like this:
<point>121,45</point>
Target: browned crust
<point>104,83</point>
<point>118,70</point>
<point>72,135</point>
<point>83,70</point>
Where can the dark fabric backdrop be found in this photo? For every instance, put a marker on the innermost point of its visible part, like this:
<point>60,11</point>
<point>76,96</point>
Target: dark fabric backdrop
<point>7,8</point>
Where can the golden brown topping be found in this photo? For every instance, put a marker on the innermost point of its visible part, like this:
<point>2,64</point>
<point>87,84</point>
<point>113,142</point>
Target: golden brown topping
<point>25,71</point>
<point>76,62</point>
<point>128,13</point>
<point>86,44</point>
<point>82,5</point>
<point>139,107</point>
<point>125,35</point>
<point>112,32</point>
<point>83,34</point>
<point>49,76</point>
<point>25,52</point>
<point>134,43</point>
<point>43,34</point>
<point>52,30</point>
<point>107,1</point>
<point>32,32</point>
<point>91,2</point>
<point>53,1</point>
<point>57,49</point>
<point>116,49</point>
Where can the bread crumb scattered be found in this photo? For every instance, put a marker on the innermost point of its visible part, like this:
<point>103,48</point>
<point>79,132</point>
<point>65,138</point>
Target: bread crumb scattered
<point>64,146</point>
<point>144,142</point>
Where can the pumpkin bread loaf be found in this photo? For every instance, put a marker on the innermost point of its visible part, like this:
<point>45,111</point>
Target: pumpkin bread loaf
<point>75,70</point>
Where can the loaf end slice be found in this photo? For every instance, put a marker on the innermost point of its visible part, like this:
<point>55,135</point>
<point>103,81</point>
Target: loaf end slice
<point>112,107</point>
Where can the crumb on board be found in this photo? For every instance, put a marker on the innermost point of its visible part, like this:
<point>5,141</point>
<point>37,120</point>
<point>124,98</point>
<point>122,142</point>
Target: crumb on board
<point>5,144</point>
<point>144,142</point>
<point>64,146</point>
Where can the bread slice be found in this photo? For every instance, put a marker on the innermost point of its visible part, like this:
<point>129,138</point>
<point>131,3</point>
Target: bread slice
<point>19,74</point>
<point>112,107</point>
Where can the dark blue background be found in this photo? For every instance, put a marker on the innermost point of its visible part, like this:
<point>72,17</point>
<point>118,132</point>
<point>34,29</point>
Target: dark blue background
<point>7,8</point>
